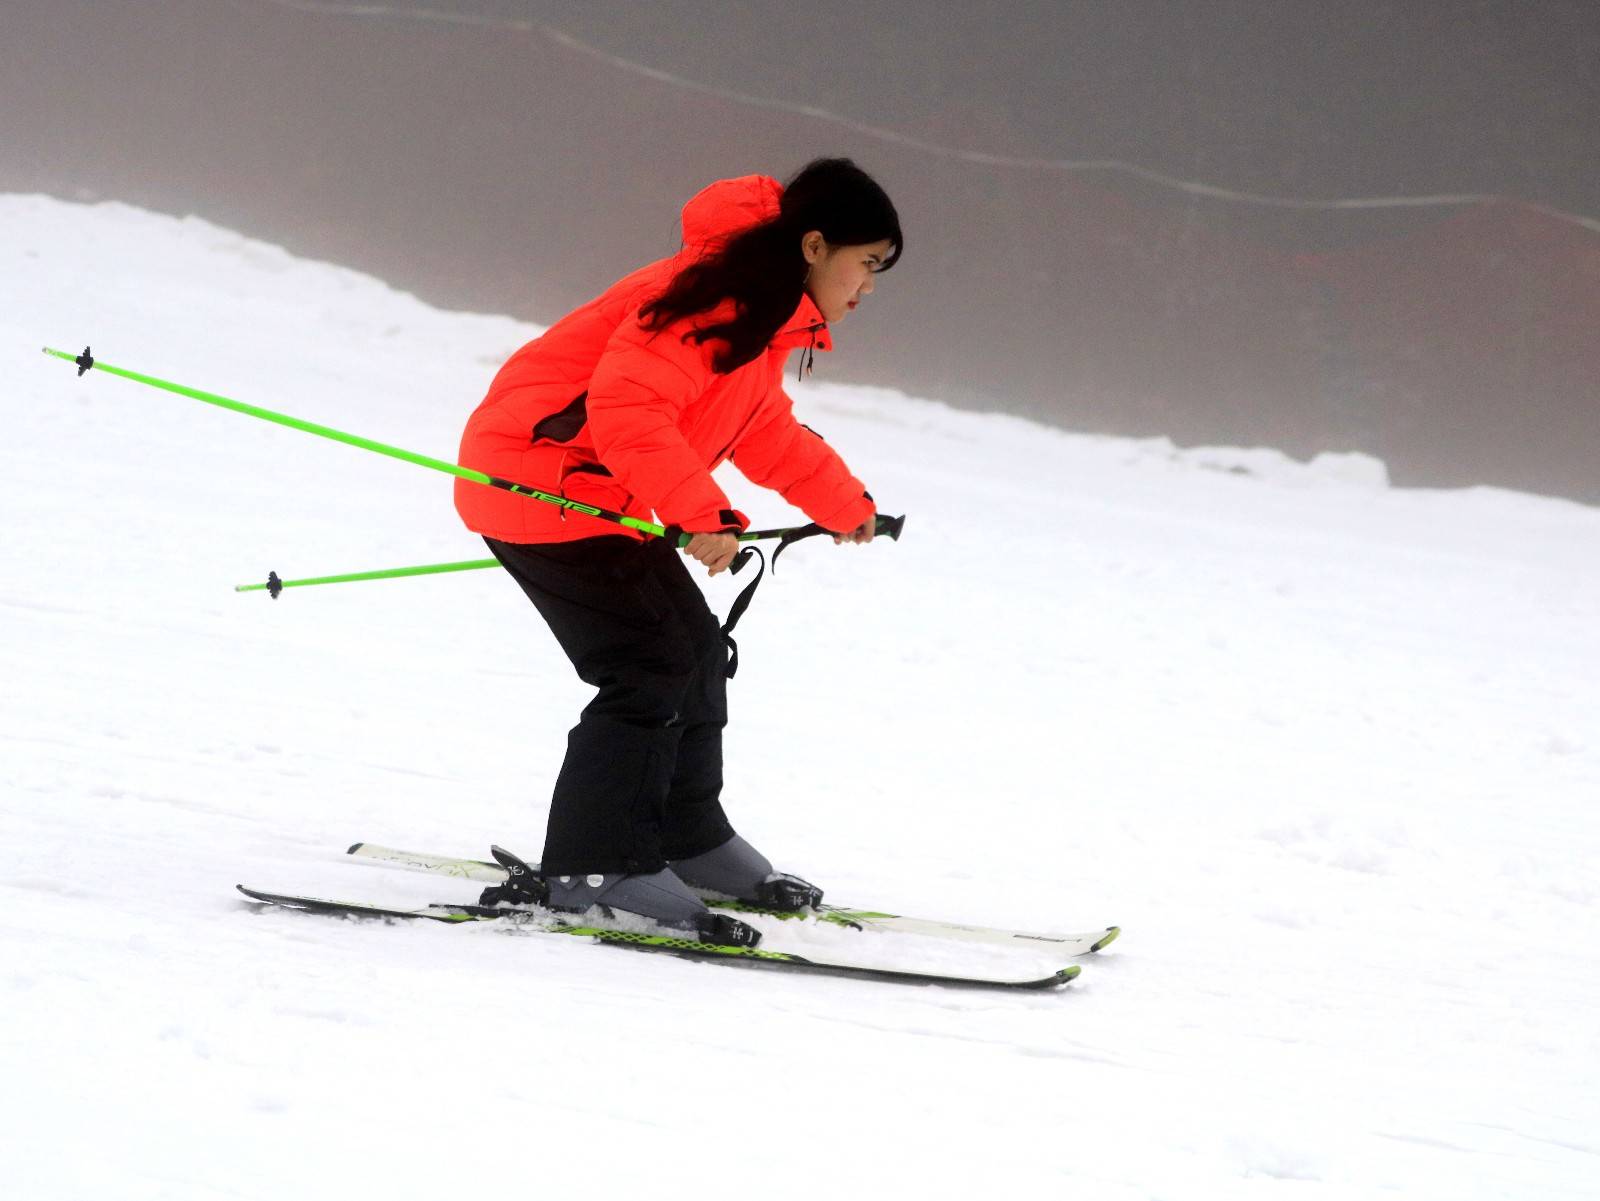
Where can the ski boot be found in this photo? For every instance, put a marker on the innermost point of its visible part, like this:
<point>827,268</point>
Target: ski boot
<point>736,869</point>
<point>659,896</point>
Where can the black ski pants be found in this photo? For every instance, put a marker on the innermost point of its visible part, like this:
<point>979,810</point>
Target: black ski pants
<point>642,779</point>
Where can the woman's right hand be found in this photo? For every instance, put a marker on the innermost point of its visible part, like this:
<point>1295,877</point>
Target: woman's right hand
<point>863,533</point>
<point>716,551</point>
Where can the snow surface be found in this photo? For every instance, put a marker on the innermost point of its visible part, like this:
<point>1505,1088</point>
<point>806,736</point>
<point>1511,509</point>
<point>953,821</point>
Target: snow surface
<point>1325,749</point>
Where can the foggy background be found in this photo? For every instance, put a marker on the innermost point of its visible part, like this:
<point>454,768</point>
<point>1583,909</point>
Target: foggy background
<point>518,157</point>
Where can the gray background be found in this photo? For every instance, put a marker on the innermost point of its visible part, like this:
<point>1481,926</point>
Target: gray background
<point>519,156</point>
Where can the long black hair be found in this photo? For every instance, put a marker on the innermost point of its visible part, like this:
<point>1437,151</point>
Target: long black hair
<point>762,269</point>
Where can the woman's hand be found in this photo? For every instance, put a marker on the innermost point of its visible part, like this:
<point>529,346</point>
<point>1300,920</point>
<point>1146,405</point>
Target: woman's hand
<point>716,551</point>
<point>862,532</point>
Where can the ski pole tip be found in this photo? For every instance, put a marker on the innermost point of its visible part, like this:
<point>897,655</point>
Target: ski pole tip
<point>84,360</point>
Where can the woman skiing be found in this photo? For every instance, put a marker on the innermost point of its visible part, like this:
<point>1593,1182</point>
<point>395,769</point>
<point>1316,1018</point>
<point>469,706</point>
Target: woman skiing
<point>628,404</point>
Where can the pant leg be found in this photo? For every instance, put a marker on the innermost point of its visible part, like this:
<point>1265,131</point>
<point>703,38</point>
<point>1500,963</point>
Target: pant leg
<point>620,612</point>
<point>693,820</point>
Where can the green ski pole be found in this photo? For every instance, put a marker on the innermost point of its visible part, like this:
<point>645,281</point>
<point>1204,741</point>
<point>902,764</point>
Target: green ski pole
<point>890,526</point>
<point>86,361</point>
<point>274,586</point>
<point>887,527</point>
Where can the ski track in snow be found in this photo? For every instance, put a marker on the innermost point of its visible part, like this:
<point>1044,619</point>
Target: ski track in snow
<point>1325,749</point>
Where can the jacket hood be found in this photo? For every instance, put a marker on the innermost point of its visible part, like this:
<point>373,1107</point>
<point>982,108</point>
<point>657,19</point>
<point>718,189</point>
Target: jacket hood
<point>728,206</point>
<point>721,210</point>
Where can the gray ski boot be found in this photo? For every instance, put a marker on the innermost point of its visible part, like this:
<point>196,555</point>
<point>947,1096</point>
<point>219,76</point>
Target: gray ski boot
<point>660,896</point>
<point>736,869</point>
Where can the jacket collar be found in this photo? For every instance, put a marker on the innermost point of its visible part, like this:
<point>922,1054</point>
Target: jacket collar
<point>805,328</point>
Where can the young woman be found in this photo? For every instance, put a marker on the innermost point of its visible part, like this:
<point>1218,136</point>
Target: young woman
<point>628,404</point>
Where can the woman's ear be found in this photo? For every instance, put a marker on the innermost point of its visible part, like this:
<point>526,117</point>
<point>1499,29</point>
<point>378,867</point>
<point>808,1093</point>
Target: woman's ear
<point>813,245</point>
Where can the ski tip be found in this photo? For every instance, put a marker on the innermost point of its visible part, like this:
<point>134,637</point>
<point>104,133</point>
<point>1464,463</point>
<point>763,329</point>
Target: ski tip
<point>1065,976</point>
<point>1109,937</point>
<point>354,847</point>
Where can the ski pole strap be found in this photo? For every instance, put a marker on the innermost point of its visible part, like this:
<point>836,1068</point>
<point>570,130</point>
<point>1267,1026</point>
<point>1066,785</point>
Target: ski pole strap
<point>789,537</point>
<point>741,603</point>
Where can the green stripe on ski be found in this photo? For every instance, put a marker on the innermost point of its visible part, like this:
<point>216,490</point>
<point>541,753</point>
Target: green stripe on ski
<point>670,942</point>
<point>546,923</point>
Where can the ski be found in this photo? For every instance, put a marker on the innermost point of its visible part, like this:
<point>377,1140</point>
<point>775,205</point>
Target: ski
<point>814,959</point>
<point>484,871</point>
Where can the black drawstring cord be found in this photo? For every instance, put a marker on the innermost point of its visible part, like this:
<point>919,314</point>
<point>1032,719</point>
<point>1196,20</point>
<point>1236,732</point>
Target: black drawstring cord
<point>808,357</point>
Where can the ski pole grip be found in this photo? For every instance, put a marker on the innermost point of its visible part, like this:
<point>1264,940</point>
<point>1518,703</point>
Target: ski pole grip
<point>890,526</point>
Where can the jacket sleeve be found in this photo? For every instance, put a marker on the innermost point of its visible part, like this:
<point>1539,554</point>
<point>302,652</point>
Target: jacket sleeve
<point>637,395</point>
<point>786,456</point>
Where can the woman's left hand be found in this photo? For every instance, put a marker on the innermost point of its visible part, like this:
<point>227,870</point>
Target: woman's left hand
<point>862,532</point>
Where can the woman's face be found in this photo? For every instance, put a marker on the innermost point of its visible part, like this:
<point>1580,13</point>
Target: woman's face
<point>840,275</point>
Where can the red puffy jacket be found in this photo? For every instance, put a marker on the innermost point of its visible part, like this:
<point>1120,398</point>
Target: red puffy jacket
<point>608,413</point>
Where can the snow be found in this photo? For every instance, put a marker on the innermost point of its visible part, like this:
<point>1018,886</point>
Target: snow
<point>1324,748</point>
